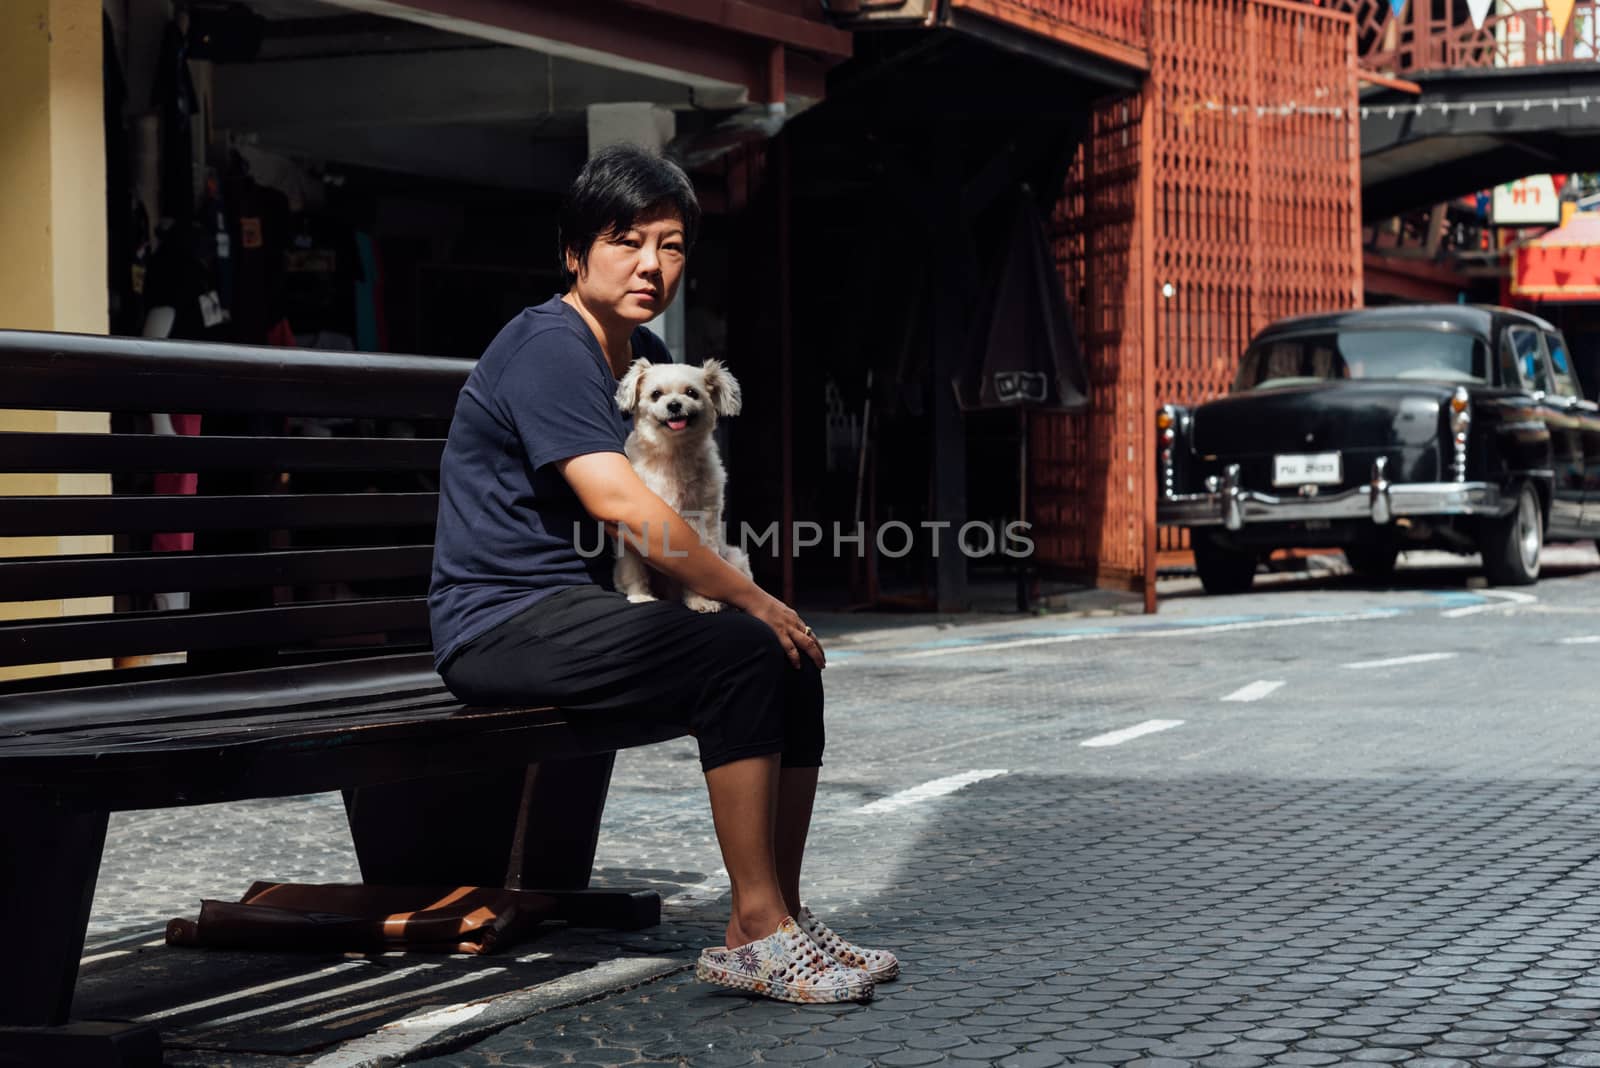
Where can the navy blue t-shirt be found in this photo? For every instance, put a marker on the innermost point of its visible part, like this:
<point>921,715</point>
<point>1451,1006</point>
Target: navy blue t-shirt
<point>509,526</point>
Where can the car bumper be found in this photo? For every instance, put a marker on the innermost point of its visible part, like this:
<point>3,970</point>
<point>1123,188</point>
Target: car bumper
<point>1230,505</point>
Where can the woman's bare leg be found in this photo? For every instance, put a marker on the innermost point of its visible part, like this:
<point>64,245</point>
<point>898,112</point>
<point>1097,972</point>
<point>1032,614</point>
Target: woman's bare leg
<point>797,790</point>
<point>744,809</point>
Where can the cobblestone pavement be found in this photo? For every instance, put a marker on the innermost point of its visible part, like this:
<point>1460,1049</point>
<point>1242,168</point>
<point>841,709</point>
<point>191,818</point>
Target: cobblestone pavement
<point>1382,859</point>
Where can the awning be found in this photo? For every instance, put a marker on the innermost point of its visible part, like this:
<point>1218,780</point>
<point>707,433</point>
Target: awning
<point>1563,265</point>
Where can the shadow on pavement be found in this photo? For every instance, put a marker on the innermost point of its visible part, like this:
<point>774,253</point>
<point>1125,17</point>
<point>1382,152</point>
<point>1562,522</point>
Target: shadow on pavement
<point>1216,921</point>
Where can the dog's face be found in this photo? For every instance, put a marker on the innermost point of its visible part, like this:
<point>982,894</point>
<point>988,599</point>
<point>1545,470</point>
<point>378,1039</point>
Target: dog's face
<point>672,400</point>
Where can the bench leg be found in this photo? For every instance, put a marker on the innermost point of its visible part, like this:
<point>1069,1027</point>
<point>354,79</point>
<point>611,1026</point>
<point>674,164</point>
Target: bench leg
<point>562,803</point>
<point>454,830</point>
<point>532,828</point>
<point>559,827</point>
<point>49,858</point>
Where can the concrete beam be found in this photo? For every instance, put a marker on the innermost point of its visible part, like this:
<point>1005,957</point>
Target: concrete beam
<point>477,155</point>
<point>460,86</point>
<point>655,46</point>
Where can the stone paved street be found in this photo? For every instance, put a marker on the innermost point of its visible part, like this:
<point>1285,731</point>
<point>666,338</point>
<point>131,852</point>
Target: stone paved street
<point>1356,825</point>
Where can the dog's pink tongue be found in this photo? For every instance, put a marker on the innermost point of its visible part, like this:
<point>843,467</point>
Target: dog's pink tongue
<point>677,424</point>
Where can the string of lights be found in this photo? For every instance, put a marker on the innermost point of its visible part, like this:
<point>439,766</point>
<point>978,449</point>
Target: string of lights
<point>1472,107</point>
<point>1393,111</point>
<point>1262,111</point>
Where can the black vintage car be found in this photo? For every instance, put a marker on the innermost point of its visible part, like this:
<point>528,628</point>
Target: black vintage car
<point>1456,427</point>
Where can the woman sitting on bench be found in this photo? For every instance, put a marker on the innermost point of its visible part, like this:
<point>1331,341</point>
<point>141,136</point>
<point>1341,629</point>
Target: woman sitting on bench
<point>521,616</point>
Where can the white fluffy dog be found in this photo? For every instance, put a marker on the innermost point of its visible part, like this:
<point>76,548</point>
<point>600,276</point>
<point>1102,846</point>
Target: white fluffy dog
<point>675,408</point>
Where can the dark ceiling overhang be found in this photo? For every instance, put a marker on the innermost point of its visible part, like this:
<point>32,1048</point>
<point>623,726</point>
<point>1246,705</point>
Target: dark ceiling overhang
<point>1469,130</point>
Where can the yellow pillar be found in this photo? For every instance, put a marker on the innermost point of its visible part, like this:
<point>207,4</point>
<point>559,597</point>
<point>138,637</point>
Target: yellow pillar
<point>53,230</point>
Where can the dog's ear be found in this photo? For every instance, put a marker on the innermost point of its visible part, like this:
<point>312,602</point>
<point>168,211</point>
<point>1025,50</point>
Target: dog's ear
<point>723,387</point>
<point>632,382</point>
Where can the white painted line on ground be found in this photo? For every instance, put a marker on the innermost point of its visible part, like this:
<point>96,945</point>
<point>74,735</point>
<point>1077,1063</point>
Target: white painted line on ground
<point>1255,691</point>
<point>1582,639</point>
<point>101,956</point>
<point>1138,730</point>
<point>321,995</point>
<point>713,887</point>
<point>1506,598</point>
<point>391,1042</point>
<point>366,1006</point>
<point>1397,661</point>
<point>264,988</point>
<point>965,743</point>
<point>1143,632</point>
<point>406,1039</point>
<point>108,943</point>
<point>927,791</point>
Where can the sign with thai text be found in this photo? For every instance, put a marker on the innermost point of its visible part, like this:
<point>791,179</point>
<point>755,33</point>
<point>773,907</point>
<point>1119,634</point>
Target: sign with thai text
<point>1530,201</point>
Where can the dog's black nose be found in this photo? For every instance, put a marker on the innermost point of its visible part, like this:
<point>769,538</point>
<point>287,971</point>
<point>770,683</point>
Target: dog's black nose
<point>674,406</point>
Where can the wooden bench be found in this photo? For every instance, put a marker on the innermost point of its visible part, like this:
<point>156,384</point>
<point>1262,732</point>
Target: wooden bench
<point>305,663</point>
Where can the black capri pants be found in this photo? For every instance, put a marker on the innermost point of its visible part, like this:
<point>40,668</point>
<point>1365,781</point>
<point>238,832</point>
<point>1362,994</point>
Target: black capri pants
<point>722,675</point>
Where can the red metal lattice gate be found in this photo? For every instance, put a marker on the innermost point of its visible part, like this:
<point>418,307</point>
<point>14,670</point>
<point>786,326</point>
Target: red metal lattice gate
<point>1224,195</point>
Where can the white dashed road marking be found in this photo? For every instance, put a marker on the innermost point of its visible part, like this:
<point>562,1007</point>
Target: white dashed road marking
<point>1143,632</point>
<point>1505,598</point>
<point>1255,691</point>
<point>1582,639</point>
<point>1398,661</point>
<point>1149,726</point>
<point>928,790</point>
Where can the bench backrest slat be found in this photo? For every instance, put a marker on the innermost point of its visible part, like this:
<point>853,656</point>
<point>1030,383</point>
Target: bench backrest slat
<point>50,577</point>
<point>77,372</point>
<point>312,521</point>
<point>70,453</point>
<point>90,637</point>
<point>34,516</point>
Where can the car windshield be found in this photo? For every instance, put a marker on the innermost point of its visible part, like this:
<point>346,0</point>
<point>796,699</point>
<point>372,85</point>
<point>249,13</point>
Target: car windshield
<point>1302,359</point>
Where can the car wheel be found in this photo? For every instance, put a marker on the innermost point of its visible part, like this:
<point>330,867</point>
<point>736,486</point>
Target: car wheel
<point>1222,569</point>
<point>1374,562</point>
<point>1511,544</point>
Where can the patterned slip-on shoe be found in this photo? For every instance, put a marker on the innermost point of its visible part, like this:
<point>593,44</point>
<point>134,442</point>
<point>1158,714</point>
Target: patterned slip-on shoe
<point>878,963</point>
<point>786,965</point>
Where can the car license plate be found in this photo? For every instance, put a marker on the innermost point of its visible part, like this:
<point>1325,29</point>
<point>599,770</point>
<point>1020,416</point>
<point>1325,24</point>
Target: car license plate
<point>1307,469</point>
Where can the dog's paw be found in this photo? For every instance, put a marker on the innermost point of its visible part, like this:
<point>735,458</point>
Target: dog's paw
<point>640,598</point>
<point>702,604</point>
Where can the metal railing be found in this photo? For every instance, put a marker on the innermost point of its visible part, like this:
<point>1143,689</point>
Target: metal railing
<point>1123,24</point>
<point>1121,20</point>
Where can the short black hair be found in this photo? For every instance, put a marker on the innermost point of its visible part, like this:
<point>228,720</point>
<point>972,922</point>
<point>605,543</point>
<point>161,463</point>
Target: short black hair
<point>618,185</point>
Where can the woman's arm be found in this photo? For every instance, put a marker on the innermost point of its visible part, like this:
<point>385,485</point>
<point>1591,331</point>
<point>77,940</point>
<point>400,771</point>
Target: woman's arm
<point>613,493</point>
